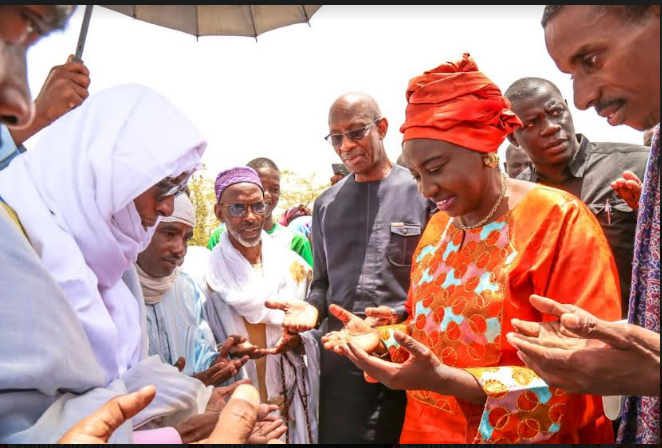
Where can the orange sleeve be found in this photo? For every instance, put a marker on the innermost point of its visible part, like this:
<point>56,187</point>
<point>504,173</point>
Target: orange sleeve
<point>584,273</point>
<point>563,254</point>
<point>572,263</point>
<point>583,270</point>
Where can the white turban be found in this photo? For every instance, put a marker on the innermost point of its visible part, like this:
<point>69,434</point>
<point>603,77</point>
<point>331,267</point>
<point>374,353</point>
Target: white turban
<point>184,211</point>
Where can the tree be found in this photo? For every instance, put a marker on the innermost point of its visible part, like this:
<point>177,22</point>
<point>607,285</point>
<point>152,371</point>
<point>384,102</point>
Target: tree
<point>298,190</point>
<point>203,198</point>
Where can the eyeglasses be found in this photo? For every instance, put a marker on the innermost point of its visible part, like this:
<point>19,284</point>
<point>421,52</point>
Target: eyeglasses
<point>167,187</point>
<point>240,209</point>
<point>354,135</point>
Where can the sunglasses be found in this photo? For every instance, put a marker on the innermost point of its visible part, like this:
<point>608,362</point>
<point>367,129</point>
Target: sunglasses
<point>354,135</point>
<point>240,209</point>
<point>167,187</point>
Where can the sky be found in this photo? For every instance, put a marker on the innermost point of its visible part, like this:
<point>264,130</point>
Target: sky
<point>271,98</point>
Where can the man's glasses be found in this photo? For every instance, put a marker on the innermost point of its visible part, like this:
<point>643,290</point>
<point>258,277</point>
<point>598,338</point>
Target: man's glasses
<point>167,187</point>
<point>240,209</point>
<point>354,135</point>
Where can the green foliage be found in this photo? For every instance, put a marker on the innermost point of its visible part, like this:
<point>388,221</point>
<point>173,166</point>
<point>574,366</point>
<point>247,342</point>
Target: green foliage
<point>297,189</point>
<point>203,198</point>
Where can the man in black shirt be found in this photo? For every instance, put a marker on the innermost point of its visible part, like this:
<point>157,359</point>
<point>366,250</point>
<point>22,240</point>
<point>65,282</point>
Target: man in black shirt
<point>569,161</point>
<point>365,231</point>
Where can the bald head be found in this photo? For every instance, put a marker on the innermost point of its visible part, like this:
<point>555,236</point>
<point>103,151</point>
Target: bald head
<point>357,105</point>
<point>525,88</point>
<point>356,132</point>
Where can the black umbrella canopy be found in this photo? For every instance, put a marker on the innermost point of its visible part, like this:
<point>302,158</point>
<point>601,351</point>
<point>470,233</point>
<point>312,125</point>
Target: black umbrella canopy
<point>220,20</point>
<point>210,20</point>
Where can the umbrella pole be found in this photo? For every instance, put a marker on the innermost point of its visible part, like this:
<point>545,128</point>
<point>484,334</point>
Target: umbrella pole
<point>83,32</point>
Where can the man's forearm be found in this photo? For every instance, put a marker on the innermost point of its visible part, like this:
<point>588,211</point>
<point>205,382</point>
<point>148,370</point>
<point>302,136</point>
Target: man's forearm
<point>647,343</point>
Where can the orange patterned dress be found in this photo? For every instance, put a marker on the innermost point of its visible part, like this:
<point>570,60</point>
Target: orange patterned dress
<point>466,288</point>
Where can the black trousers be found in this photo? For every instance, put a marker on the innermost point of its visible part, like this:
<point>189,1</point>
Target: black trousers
<point>355,411</point>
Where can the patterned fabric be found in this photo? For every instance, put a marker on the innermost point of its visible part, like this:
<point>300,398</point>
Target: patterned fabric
<point>387,335</point>
<point>466,288</point>
<point>464,321</point>
<point>641,420</point>
<point>520,406</point>
<point>238,175</point>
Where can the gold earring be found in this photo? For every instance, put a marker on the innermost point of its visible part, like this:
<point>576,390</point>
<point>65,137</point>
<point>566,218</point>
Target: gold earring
<point>491,160</point>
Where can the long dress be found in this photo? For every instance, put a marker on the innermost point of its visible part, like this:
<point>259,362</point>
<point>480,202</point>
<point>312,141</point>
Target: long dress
<point>466,288</point>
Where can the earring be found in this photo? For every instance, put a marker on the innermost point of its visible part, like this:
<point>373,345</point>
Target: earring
<point>491,160</point>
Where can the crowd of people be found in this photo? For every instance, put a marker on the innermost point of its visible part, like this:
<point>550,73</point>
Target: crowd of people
<point>446,298</point>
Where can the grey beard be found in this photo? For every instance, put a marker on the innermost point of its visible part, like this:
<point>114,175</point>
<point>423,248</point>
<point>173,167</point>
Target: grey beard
<point>242,241</point>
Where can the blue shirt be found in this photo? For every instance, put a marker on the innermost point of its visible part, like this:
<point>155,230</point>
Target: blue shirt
<point>8,149</point>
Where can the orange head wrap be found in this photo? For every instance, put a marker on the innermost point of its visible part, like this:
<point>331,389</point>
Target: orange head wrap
<point>458,104</point>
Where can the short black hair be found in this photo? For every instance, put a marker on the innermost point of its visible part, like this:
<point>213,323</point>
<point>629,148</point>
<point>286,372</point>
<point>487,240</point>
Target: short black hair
<point>550,12</point>
<point>625,12</point>
<point>262,162</point>
<point>525,87</point>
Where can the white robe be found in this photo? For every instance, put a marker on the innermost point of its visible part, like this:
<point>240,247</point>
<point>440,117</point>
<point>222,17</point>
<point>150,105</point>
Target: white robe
<point>49,376</point>
<point>74,196</point>
<point>178,396</point>
<point>236,291</point>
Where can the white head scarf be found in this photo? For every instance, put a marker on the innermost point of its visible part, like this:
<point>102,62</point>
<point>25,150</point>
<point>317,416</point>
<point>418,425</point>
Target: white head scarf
<point>239,285</point>
<point>74,196</point>
<point>184,211</point>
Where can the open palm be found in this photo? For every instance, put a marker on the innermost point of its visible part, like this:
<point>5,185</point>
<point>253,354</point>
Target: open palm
<point>355,330</point>
<point>299,316</point>
<point>553,334</point>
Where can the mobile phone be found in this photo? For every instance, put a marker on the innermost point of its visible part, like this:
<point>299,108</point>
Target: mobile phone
<point>340,169</point>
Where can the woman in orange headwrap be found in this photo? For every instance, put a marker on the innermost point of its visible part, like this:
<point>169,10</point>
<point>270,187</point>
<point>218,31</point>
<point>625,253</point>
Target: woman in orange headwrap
<point>495,243</point>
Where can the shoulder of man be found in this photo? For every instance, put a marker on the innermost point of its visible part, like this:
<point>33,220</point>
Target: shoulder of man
<point>402,174</point>
<point>406,185</point>
<point>404,181</point>
<point>615,148</point>
<point>185,280</point>
<point>526,175</point>
<point>623,156</point>
<point>330,193</point>
<point>189,290</point>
